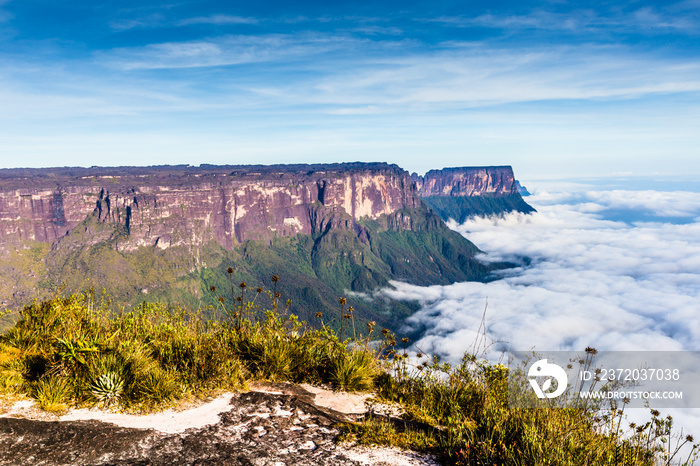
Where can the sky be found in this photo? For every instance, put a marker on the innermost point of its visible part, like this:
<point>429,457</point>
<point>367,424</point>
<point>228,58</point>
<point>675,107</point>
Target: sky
<point>553,88</point>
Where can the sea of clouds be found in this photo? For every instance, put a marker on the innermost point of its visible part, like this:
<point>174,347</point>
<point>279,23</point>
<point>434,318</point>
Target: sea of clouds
<point>611,269</point>
<point>615,269</point>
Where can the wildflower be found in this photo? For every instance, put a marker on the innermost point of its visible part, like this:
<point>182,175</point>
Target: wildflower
<point>655,412</point>
<point>243,285</point>
<point>351,309</point>
<point>319,314</point>
<point>259,290</point>
<point>689,438</point>
<point>590,350</point>
<point>405,340</point>
<point>278,295</point>
<point>229,270</point>
<point>275,278</point>
<point>419,355</point>
<point>239,299</point>
<point>347,316</point>
<point>385,331</point>
<point>371,324</point>
<point>221,299</point>
<point>213,288</point>
<point>625,400</point>
<point>342,301</point>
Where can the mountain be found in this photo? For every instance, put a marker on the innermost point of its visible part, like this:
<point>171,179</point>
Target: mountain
<point>462,192</point>
<point>169,233</point>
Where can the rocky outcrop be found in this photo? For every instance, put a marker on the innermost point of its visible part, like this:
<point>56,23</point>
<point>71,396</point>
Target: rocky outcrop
<point>467,181</point>
<point>259,429</point>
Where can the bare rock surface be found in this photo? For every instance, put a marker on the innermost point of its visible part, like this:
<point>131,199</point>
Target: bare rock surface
<point>278,426</point>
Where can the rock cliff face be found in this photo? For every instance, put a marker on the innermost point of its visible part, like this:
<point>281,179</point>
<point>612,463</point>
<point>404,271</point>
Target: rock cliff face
<point>463,192</point>
<point>168,207</point>
<point>467,181</point>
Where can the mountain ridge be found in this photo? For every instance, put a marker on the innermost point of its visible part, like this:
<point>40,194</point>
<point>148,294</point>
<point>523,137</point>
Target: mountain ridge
<point>171,232</point>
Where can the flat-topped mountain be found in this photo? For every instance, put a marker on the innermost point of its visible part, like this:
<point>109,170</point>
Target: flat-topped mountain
<point>171,232</point>
<point>462,192</point>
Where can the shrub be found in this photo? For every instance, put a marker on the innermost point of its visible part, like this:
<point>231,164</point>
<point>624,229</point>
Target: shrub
<point>51,393</point>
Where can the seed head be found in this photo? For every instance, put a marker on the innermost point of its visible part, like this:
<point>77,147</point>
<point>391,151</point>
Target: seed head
<point>239,299</point>
<point>347,316</point>
<point>212,288</point>
<point>278,295</point>
<point>689,438</point>
<point>259,290</point>
<point>221,299</point>
<point>243,285</point>
<point>405,340</point>
<point>229,270</point>
<point>385,331</point>
<point>275,278</point>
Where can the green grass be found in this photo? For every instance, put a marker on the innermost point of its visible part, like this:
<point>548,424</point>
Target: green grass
<point>76,351</point>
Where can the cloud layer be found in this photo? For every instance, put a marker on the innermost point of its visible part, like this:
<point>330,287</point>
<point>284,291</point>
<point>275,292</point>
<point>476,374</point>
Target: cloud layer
<point>591,281</point>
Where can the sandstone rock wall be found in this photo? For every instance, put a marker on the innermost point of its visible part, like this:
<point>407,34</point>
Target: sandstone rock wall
<point>467,181</point>
<point>164,207</point>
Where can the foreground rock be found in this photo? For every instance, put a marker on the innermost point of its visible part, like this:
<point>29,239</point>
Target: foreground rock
<point>260,428</point>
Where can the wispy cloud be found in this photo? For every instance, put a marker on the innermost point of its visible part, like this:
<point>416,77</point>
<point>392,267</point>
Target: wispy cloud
<point>218,20</point>
<point>226,50</point>
<point>584,20</point>
<point>148,21</point>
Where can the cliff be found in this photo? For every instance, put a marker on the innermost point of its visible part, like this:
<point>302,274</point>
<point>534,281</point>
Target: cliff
<point>192,205</point>
<point>169,233</point>
<point>462,192</point>
<point>467,181</point>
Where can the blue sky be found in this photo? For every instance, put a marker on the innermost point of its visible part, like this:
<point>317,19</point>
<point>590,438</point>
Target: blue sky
<point>552,88</point>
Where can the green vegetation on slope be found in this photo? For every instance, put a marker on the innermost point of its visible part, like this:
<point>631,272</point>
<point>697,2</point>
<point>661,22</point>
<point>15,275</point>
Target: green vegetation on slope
<point>461,208</point>
<point>73,352</point>
<point>410,245</point>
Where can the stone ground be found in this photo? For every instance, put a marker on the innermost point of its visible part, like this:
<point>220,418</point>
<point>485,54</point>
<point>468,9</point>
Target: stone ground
<point>275,424</point>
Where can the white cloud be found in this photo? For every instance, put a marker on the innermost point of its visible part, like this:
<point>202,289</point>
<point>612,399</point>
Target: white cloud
<point>592,282</point>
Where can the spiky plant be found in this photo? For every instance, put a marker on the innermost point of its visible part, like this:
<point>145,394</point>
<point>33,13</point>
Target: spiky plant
<point>107,388</point>
<point>51,393</point>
